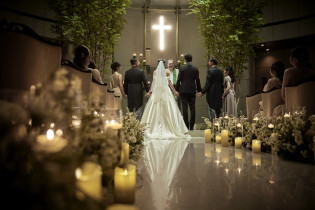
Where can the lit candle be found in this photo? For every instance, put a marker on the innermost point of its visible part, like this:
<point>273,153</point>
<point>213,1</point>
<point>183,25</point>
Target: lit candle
<point>238,125</point>
<point>225,155</point>
<point>124,184</point>
<point>256,146</point>
<point>122,207</point>
<point>271,126</point>
<point>238,154</point>
<point>255,119</point>
<point>89,179</point>
<point>226,117</point>
<point>218,148</point>
<point>140,54</point>
<point>50,142</point>
<point>207,136</point>
<point>225,138</point>
<point>134,54</point>
<point>256,159</point>
<point>238,142</point>
<point>218,139</point>
<point>113,125</point>
<point>182,55</point>
<point>32,91</point>
<point>124,153</point>
<point>286,115</point>
<point>207,150</point>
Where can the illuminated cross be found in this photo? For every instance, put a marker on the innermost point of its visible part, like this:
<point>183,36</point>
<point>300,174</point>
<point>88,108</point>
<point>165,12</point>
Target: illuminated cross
<point>161,27</point>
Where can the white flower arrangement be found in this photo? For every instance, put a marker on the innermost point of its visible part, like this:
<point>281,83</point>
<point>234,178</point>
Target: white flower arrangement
<point>133,133</point>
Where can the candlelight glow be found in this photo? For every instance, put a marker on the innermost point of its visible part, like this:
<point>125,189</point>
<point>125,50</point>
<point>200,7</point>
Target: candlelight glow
<point>50,134</point>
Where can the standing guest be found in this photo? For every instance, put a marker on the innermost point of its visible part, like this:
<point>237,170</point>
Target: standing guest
<point>82,58</point>
<point>228,96</point>
<point>173,78</point>
<point>301,70</point>
<point>133,85</point>
<point>116,81</point>
<point>187,83</point>
<point>214,89</point>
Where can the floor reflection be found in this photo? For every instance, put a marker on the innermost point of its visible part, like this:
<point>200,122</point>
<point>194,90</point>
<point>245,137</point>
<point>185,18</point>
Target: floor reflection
<point>158,166</point>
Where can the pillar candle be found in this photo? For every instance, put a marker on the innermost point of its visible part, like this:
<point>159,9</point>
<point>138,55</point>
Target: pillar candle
<point>207,136</point>
<point>238,142</point>
<point>238,154</point>
<point>218,139</point>
<point>89,179</point>
<point>256,146</point>
<point>124,184</point>
<point>256,159</point>
<point>225,138</point>
<point>207,150</point>
<point>124,159</point>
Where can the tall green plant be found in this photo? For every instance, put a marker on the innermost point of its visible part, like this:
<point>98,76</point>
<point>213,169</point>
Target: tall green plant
<point>96,24</point>
<point>230,28</point>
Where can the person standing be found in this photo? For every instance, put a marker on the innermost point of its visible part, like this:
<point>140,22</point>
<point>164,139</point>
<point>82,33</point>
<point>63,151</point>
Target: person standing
<point>229,93</point>
<point>173,78</point>
<point>116,81</point>
<point>133,85</point>
<point>187,83</point>
<point>214,89</point>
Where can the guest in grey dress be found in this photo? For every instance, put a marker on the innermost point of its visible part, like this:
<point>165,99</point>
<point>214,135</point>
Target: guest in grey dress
<point>229,102</point>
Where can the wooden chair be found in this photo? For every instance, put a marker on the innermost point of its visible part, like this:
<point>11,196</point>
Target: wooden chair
<point>271,99</point>
<point>26,58</point>
<point>84,75</point>
<point>252,104</point>
<point>301,95</point>
<point>98,93</point>
<point>110,100</point>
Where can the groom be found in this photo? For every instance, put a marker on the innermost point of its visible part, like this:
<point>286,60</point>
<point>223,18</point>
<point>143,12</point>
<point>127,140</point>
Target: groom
<point>188,79</point>
<point>134,78</point>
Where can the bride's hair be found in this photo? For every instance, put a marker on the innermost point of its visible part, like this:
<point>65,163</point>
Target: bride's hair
<point>161,59</point>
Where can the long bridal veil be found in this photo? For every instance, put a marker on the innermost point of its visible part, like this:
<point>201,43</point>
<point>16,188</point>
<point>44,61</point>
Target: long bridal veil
<point>161,114</point>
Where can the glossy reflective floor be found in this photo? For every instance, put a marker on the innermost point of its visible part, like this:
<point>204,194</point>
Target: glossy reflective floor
<point>194,175</point>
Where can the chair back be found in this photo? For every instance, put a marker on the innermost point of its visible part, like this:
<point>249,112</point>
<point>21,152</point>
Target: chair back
<point>301,95</point>
<point>84,75</point>
<point>98,93</point>
<point>271,99</point>
<point>26,58</point>
<point>252,104</point>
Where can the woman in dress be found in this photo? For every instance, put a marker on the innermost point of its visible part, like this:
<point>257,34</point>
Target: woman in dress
<point>116,81</point>
<point>161,114</point>
<point>82,58</point>
<point>229,104</point>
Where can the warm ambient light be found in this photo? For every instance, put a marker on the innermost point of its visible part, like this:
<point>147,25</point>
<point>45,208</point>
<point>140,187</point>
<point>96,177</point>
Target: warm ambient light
<point>161,27</point>
<point>267,49</point>
<point>50,134</point>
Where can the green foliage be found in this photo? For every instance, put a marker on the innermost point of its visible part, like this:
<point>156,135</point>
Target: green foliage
<point>96,24</point>
<point>230,29</point>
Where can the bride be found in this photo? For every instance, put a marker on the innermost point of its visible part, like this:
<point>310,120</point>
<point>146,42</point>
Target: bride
<point>161,113</point>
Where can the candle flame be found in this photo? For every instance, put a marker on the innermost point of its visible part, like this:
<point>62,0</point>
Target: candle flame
<point>59,132</point>
<point>125,171</point>
<point>50,134</point>
<point>112,121</point>
<point>238,125</point>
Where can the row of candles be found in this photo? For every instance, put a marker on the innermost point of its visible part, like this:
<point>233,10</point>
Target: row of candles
<point>223,139</point>
<point>89,175</point>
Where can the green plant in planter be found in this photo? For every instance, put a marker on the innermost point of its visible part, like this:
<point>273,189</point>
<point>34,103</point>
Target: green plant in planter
<point>229,28</point>
<point>96,24</point>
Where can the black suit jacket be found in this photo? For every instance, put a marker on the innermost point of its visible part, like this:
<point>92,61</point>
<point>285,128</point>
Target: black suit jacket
<point>214,88</point>
<point>188,79</point>
<point>133,85</point>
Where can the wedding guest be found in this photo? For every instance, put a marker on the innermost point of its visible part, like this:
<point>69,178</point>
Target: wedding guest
<point>276,71</point>
<point>301,70</point>
<point>229,104</point>
<point>116,81</point>
<point>82,58</point>
<point>214,89</point>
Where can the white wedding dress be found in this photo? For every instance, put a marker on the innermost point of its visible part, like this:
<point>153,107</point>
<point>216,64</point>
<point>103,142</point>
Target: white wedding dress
<point>161,114</point>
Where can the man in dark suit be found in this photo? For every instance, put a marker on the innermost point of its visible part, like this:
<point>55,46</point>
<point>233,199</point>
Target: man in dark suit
<point>214,89</point>
<point>133,85</point>
<point>187,83</point>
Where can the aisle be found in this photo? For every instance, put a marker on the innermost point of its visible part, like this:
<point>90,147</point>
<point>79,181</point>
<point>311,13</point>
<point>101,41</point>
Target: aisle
<point>209,176</point>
